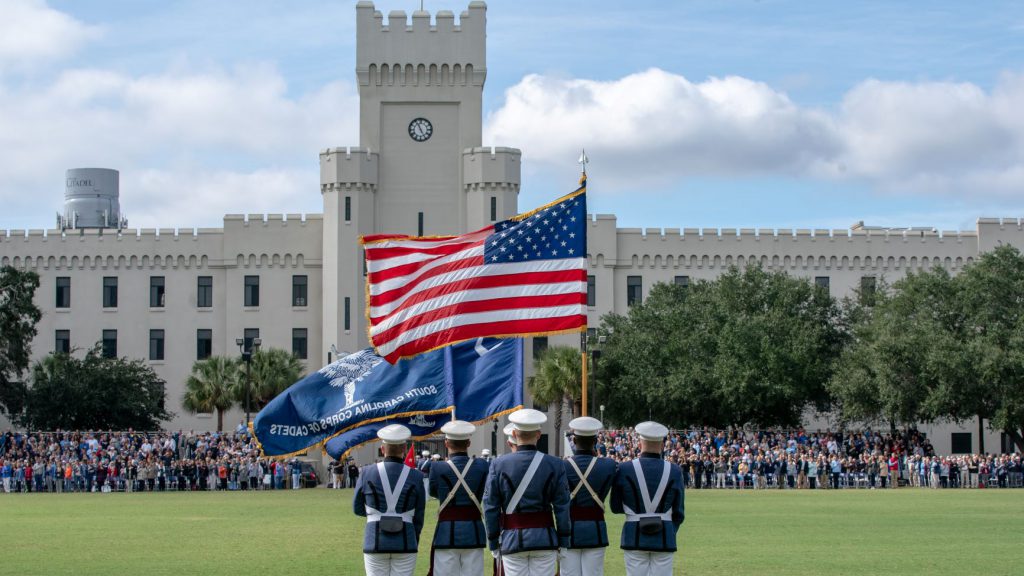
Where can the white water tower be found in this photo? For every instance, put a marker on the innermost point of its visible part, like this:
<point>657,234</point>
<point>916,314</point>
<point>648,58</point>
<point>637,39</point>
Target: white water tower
<point>91,200</point>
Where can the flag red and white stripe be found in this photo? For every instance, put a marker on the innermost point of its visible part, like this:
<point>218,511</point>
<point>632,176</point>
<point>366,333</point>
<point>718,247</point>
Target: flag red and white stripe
<point>425,293</point>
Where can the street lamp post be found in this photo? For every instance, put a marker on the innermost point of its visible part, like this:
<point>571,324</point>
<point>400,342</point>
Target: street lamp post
<point>602,412</point>
<point>247,352</point>
<point>595,355</point>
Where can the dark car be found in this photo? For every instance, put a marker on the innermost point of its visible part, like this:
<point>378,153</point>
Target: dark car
<point>308,476</point>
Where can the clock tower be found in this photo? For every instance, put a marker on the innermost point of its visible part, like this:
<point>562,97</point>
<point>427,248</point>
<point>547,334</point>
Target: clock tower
<point>419,168</point>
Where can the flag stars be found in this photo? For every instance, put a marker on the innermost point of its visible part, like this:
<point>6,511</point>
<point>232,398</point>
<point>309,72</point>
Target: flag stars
<point>572,234</point>
<point>571,251</point>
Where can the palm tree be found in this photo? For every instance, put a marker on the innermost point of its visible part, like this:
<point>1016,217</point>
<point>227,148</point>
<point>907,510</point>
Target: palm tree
<point>210,387</point>
<point>273,371</point>
<point>558,378</point>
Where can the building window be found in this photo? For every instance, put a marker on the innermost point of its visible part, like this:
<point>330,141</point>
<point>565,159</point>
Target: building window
<point>299,343</point>
<point>63,292</point>
<point>156,291</point>
<point>634,290</point>
<point>252,290</point>
<point>960,443</point>
<point>419,224</point>
<point>204,343</point>
<point>204,292</point>
<point>683,281</point>
<point>299,290</point>
<point>110,291</point>
<point>348,208</point>
<point>156,344</point>
<point>109,344</point>
<point>348,313</point>
<point>250,334</point>
<point>62,342</point>
<point>540,344</point>
<point>867,290</point>
<point>822,282</point>
<point>591,291</point>
<point>494,208</point>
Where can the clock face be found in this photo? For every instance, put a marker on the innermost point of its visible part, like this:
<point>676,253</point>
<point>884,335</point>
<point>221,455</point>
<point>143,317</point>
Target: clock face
<point>420,129</point>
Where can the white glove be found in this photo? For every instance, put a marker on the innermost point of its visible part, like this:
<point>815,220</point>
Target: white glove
<point>496,553</point>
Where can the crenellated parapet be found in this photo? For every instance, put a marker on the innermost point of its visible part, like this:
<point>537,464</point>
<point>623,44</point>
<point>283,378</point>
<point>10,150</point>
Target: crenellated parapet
<point>877,251</point>
<point>400,52</point>
<point>496,166</point>
<point>346,167</point>
<point>256,240</point>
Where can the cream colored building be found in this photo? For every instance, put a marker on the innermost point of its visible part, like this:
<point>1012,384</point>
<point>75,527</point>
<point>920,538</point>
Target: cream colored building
<point>420,168</point>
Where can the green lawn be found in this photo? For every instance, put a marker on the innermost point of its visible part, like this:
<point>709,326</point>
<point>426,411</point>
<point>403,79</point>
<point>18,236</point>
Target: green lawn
<point>313,532</point>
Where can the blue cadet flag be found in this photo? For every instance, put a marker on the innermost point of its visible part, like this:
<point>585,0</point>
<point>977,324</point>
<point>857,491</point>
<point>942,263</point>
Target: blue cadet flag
<point>485,376</point>
<point>357,390</point>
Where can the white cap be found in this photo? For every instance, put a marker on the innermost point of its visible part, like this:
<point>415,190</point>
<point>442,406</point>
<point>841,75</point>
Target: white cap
<point>486,452</point>
<point>651,431</point>
<point>458,430</point>
<point>394,434</point>
<point>507,430</point>
<point>425,453</point>
<point>585,426</point>
<point>436,457</point>
<point>527,419</point>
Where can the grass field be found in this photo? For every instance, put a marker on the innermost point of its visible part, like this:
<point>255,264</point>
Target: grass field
<point>313,532</point>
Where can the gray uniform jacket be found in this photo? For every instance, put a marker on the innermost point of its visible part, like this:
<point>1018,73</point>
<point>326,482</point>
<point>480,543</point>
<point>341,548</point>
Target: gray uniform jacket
<point>626,493</point>
<point>589,529</point>
<point>369,493</point>
<point>460,524</point>
<point>530,526</point>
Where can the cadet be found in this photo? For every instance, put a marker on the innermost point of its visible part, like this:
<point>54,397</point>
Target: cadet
<point>649,491</point>
<point>510,442</point>
<point>390,495</point>
<point>524,489</point>
<point>459,540</point>
<point>590,480</point>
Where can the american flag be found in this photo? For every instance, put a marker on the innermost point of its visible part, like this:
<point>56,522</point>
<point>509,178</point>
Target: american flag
<point>523,276</point>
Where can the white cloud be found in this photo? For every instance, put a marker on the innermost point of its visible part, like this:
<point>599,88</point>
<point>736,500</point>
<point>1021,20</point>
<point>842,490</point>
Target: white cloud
<point>175,134</point>
<point>31,31</point>
<point>942,137</point>
<point>200,198</point>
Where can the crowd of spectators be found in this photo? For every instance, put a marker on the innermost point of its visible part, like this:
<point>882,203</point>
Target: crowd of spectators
<point>141,462</point>
<point>186,461</point>
<point>814,460</point>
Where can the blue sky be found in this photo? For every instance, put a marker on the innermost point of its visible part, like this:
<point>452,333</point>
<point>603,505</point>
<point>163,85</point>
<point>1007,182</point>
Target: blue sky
<point>694,114</point>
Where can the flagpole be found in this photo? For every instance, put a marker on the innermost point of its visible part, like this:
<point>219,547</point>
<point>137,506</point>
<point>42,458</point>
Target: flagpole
<point>583,335</point>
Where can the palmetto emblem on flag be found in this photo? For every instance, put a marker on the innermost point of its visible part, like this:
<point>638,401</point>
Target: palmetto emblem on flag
<point>348,371</point>
<point>519,277</point>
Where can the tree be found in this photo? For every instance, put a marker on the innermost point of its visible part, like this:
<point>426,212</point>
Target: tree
<point>209,387</point>
<point>908,361</point>
<point>750,347</point>
<point>993,300</point>
<point>558,377</point>
<point>94,393</point>
<point>18,319</point>
<point>273,371</point>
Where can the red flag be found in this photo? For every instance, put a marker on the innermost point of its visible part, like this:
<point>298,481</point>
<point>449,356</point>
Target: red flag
<point>410,458</point>
<point>521,276</point>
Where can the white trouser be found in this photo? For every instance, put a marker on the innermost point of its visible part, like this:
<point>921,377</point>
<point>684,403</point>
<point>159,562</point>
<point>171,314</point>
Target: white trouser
<point>581,561</point>
<point>459,562</point>
<point>337,482</point>
<point>533,563</point>
<point>641,563</point>
<point>389,564</point>
<point>7,484</point>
